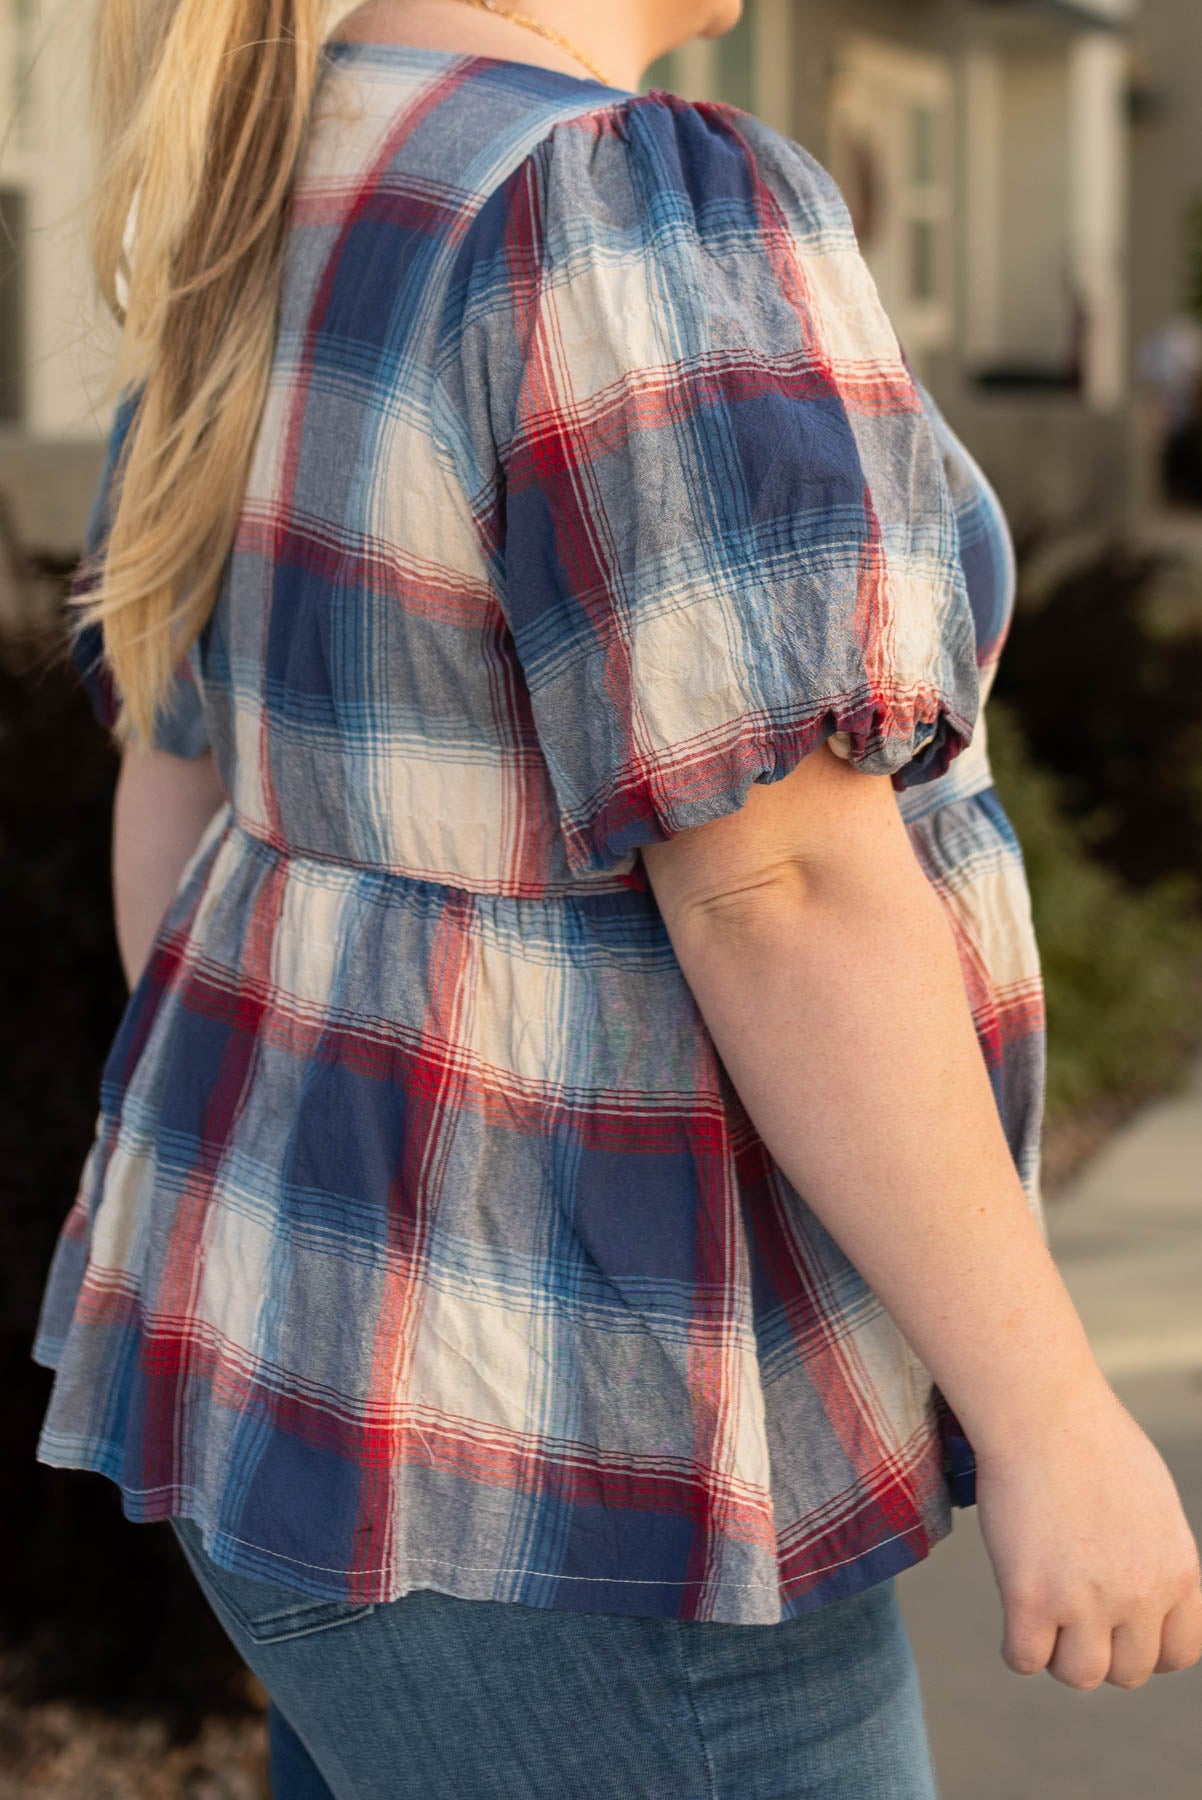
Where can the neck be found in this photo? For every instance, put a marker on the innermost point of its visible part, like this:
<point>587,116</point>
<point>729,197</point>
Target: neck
<point>617,37</point>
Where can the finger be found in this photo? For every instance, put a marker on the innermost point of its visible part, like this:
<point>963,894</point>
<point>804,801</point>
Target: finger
<point>1181,1635</point>
<point>1134,1648</point>
<point>1028,1641</point>
<point>1082,1654</point>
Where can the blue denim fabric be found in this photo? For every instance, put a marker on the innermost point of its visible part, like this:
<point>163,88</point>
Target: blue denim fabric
<point>441,1698</point>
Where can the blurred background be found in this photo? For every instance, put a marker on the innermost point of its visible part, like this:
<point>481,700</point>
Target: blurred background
<point>1026,180</point>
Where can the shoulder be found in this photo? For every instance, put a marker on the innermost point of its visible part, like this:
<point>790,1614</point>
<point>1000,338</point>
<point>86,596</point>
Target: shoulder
<point>703,157</point>
<point>637,171</point>
<point>666,225</point>
<point>688,252</point>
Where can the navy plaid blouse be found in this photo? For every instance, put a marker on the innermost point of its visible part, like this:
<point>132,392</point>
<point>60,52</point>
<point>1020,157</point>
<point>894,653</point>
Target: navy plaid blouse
<point>423,1241</point>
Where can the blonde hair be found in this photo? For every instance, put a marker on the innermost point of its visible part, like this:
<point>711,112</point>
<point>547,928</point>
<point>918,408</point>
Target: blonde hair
<point>202,112</point>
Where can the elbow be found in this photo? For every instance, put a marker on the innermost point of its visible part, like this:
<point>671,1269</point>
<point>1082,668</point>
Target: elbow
<point>822,841</point>
<point>755,907</point>
<point>811,902</point>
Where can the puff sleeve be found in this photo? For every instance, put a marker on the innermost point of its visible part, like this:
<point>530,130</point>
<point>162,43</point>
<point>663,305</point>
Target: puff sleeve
<point>180,727</point>
<point>704,479</point>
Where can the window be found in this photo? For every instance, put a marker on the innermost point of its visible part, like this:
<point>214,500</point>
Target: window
<point>891,153</point>
<point>922,142</point>
<point>12,306</point>
<point>923,260</point>
<point>660,74</point>
<point>734,63</point>
<point>24,56</point>
<point>722,68</point>
<point>1019,316</point>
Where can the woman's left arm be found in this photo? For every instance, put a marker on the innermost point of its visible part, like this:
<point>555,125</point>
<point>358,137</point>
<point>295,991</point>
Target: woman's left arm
<point>160,810</point>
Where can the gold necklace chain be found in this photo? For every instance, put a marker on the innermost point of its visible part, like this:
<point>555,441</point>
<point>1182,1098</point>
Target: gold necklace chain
<point>544,31</point>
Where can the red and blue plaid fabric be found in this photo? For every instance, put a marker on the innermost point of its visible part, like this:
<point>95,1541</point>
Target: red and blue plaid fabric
<point>423,1241</point>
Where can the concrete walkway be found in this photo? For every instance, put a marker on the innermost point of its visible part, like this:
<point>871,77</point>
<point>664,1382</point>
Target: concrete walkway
<point>1127,1236</point>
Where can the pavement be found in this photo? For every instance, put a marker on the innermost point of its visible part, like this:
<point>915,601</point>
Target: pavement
<point>1127,1237</point>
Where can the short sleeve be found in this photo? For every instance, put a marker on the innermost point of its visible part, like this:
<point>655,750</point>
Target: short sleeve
<point>703,475</point>
<point>181,727</point>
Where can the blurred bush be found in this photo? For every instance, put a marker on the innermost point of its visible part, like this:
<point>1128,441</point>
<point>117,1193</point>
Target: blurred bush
<point>1103,670</point>
<point>1095,736</point>
<point>1096,741</point>
<point>91,1607</point>
<point>1122,965</point>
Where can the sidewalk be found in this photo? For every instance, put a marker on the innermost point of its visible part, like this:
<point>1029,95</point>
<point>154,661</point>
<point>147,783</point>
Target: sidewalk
<point>1127,1236</point>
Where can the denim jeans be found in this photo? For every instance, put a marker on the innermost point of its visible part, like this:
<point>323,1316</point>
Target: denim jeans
<point>441,1698</point>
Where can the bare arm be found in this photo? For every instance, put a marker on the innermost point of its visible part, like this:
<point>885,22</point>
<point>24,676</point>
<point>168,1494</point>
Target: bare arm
<point>827,973</point>
<point>161,807</point>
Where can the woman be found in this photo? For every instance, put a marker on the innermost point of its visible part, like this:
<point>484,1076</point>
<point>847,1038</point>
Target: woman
<point>563,1225</point>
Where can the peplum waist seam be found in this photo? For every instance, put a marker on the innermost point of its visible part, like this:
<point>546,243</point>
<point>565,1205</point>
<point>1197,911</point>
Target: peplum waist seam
<point>355,870</point>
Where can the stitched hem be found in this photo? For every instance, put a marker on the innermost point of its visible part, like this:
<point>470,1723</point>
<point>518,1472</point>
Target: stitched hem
<point>154,1505</point>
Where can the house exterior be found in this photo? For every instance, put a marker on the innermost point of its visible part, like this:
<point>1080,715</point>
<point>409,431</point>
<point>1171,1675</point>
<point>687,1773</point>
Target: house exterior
<point>1166,157</point>
<point>983,147</point>
<point>55,344</point>
<point>1166,219</point>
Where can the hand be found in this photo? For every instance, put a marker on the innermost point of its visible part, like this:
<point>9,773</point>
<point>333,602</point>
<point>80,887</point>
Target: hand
<point>1096,1564</point>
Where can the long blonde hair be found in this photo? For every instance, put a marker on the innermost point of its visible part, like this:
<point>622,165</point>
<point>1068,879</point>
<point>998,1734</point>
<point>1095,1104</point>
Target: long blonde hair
<point>201,111</point>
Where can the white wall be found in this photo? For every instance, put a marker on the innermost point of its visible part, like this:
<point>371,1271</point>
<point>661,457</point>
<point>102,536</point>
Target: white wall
<point>1046,207</point>
<point>1167,160</point>
<point>68,341</point>
<point>1034,313</point>
<point>1098,207</point>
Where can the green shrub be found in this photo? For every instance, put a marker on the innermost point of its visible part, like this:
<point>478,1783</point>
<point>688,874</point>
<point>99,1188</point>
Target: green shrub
<point>1108,693</point>
<point>1122,966</point>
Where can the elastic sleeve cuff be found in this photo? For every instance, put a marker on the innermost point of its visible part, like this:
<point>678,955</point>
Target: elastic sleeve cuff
<point>654,800</point>
<point>180,726</point>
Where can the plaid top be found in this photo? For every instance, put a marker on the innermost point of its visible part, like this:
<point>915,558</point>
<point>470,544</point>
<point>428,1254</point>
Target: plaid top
<point>423,1241</point>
